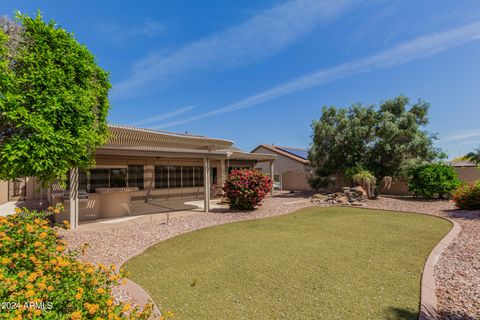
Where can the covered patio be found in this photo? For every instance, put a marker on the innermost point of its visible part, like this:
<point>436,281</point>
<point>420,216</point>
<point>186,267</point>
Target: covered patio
<point>141,171</point>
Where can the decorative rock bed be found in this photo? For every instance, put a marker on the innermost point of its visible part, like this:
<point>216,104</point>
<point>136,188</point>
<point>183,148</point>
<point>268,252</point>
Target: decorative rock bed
<point>354,196</point>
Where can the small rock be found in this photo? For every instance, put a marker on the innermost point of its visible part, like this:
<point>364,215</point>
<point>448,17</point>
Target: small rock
<point>358,204</point>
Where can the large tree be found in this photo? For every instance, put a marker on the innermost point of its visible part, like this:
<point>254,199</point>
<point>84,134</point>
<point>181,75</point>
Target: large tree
<point>385,140</point>
<point>53,101</point>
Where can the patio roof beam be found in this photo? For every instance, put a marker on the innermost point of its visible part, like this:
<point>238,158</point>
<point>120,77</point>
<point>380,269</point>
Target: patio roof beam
<point>162,153</point>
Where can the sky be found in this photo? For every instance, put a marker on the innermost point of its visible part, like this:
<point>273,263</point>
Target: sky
<point>259,72</point>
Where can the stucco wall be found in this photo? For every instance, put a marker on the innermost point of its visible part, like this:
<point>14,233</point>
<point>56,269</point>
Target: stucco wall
<point>295,180</point>
<point>399,187</point>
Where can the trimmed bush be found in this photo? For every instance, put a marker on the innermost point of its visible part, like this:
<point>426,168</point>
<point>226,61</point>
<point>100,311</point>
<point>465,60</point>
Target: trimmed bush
<point>245,188</point>
<point>41,279</point>
<point>467,196</point>
<point>432,180</point>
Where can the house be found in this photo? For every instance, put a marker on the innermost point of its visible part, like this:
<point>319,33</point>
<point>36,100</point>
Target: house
<point>143,171</point>
<point>292,167</point>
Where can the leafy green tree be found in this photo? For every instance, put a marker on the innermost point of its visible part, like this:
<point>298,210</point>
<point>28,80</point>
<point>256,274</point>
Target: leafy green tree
<point>433,179</point>
<point>474,156</point>
<point>53,101</point>
<point>384,140</point>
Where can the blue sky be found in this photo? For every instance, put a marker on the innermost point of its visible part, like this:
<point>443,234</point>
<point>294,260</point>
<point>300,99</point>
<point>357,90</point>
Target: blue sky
<point>260,71</point>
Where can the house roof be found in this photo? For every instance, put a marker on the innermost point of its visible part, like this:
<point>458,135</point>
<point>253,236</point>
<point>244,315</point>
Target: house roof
<point>296,154</point>
<point>148,138</point>
<point>463,163</point>
<point>138,141</point>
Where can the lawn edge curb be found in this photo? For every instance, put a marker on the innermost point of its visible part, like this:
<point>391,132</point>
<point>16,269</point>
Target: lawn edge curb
<point>428,295</point>
<point>140,296</point>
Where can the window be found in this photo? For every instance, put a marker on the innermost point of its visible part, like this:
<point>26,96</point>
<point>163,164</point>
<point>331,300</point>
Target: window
<point>161,177</point>
<point>178,177</point>
<point>99,178</point>
<point>187,176</point>
<point>198,176</point>
<point>213,176</point>
<point>82,180</point>
<point>118,178</point>
<point>135,176</point>
<point>174,176</point>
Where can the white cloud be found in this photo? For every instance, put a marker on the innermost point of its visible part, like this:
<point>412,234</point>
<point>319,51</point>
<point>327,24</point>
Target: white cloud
<point>462,135</point>
<point>416,49</point>
<point>148,28</point>
<point>162,116</point>
<point>263,35</point>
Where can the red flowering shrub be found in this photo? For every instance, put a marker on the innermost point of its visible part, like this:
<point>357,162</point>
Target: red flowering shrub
<point>245,188</point>
<point>467,196</point>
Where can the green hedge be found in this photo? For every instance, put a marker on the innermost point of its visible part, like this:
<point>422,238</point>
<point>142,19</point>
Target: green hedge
<point>433,180</point>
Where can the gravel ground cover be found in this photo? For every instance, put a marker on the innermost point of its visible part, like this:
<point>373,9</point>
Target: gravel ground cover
<point>457,272</point>
<point>117,243</point>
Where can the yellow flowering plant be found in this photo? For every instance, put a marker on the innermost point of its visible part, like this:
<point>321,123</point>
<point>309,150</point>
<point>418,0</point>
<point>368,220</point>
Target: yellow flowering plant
<point>41,279</point>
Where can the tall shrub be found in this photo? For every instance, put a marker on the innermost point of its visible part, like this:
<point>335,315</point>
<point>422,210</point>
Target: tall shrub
<point>433,179</point>
<point>53,101</point>
<point>246,188</point>
<point>41,279</point>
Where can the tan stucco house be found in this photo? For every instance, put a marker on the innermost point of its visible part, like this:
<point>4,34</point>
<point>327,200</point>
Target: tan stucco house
<point>143,170</point>
<point>292,167</point>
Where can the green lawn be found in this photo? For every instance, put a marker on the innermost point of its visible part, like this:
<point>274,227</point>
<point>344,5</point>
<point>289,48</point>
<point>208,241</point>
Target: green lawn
<point>316,263</point>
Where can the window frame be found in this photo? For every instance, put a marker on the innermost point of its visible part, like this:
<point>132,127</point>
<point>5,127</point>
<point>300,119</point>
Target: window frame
<point>139,179</point>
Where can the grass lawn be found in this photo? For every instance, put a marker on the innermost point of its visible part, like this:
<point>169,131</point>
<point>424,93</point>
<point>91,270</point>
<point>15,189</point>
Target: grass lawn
<point>316,263</point>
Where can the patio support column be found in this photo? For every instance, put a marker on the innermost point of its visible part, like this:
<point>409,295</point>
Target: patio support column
<point>206,184</point>
<point>223,175</point>
<point>73,198</point>
<point>272,174</point>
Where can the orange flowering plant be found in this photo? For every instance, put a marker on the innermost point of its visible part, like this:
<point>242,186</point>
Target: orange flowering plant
<point>467,196</point>
<point>41,279</point>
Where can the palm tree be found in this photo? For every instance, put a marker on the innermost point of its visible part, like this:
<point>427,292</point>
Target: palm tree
<point>474,156</point>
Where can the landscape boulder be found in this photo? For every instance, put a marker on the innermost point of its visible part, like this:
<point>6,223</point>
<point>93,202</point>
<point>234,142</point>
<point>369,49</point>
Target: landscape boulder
<point>354,196</point>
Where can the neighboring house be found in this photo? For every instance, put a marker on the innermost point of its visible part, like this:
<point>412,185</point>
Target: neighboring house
<point>292,167</point>
<point>467,170</point>
<point>148,167</point>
